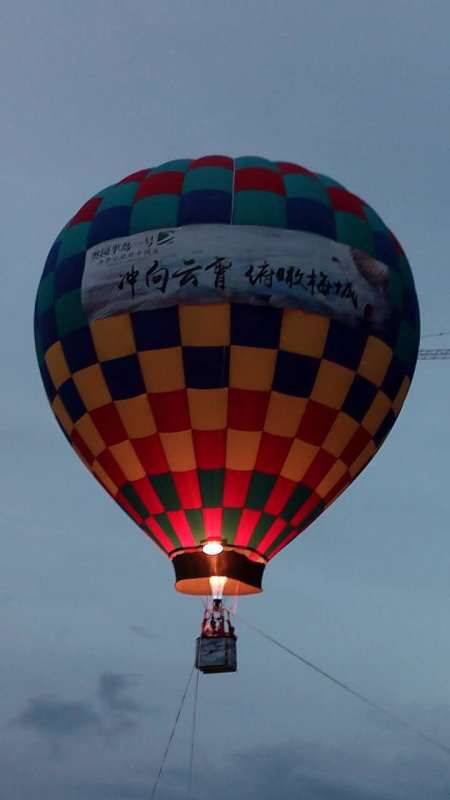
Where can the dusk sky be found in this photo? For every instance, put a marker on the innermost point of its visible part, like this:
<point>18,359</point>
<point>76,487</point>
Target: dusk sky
<point>96,644</point>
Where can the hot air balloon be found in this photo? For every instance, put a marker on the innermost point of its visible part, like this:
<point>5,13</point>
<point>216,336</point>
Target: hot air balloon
<point>226,343</point>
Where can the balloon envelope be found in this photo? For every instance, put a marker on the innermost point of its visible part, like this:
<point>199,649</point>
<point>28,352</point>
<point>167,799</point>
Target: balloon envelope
<point>226,343</point>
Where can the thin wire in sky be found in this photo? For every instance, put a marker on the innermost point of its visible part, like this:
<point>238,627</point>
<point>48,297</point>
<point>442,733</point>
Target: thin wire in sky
<point>363,698</point>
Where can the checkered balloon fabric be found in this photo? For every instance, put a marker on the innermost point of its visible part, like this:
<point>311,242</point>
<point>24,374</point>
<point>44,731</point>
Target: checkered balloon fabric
<point>240,412</point>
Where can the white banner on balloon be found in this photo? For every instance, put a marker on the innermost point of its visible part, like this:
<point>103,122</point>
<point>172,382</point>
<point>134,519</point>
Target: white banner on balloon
<point>234,263</point>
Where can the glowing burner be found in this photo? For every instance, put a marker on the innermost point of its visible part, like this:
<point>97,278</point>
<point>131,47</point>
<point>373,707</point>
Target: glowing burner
<point>212,548</point>
<point>217,585</point>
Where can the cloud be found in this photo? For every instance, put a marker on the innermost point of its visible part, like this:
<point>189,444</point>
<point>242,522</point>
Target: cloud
<point>139,630</point>
<point>112,691</point>
<point>297,769</point>
<point>55,718</point>
<point>315,772</point>
<point>60,719</point>
<point>311,771</point>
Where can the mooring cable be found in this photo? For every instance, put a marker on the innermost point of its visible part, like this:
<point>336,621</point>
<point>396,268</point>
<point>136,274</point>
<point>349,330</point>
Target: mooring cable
<point>193,732</point>
<point>172,734</point>
<point>392,715</point>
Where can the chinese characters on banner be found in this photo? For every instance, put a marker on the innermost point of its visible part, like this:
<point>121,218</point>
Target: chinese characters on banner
<point>227,263</point>
<point>158,276</point>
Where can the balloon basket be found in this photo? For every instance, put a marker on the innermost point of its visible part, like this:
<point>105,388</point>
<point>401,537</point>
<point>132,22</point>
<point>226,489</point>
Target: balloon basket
<point>216,645</point>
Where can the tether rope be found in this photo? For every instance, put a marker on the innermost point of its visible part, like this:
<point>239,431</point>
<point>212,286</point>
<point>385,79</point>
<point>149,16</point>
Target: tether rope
<point>172,734</point>
<point>347,688</point>
<point>193,731</point>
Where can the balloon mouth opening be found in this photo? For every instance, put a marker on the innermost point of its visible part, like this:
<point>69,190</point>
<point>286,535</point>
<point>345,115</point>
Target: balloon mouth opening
<point>238,573</point>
